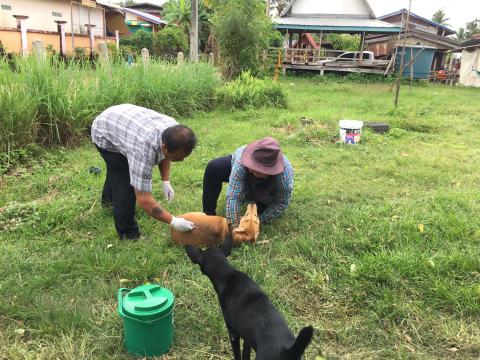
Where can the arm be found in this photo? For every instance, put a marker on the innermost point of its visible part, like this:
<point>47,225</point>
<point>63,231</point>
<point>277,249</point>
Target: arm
<point>164,168</point>
<point>282,196</point>
<point>146,201</point>
<point>235,190</point>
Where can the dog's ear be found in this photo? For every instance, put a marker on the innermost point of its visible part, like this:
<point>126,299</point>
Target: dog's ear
<point>301,342</point>
<point>194,254</point>
<point>227,246</point>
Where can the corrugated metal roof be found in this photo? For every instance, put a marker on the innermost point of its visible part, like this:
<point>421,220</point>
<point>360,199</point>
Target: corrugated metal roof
<point>334,23</point>
<point>152,18</point>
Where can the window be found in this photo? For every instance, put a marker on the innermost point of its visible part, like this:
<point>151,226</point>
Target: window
<point>6,7</point>
<point>56,14</point>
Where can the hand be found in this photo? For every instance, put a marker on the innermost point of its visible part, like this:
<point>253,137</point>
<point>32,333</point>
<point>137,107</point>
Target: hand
<point>168,191</point>
<point>181,224</point>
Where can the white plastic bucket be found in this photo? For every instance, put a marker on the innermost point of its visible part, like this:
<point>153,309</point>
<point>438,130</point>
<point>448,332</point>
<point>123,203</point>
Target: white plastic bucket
<point>350,131</point>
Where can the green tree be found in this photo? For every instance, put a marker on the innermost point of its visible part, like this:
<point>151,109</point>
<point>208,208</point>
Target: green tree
<point>170,41</point>
<point>440,18</point>
<point>126,3</point>
<point>242,31</point>
<point>461,34</point>
<point>472,28</point>
<point>138,40</point>
<point>344,41</point>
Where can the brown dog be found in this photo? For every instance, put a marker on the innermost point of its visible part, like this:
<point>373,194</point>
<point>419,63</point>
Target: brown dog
<point>209,230</point>
<point>212,230</point>
<point>249,227</point>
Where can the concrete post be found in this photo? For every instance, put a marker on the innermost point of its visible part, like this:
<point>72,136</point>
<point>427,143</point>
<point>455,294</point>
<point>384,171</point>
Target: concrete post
<point>180,58</point>
<point>145,57</point>
<point>211,59</point>
<point>117,39</point>
<point>103,53</point>
<point>194,32</point>
<point>22,25</point>
<point>61,31</point>
<point>39,50</point>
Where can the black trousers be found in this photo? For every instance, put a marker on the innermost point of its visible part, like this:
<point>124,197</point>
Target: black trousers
<point>118,192</point>
<point>218,172</point>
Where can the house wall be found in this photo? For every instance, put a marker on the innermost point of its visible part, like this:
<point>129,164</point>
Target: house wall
<point>12,41</point>
<point>416,23</point>
<point>346,7</point>
<point>41,17</point>
<point>470,68</point>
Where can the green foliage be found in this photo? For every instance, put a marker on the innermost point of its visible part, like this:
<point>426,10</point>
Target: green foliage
<point>362,78</point>
<point>344,41</point>
<point>55,102</point>
<point>242,31</point>
<point>440,17</point>
<point>171,39</point>
<point>248,92</point>
<point>138,40</point>
<point>179,13</point>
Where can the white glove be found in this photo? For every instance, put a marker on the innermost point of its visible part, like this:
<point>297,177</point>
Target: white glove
<point>181,224</point>
<point>168,191</point>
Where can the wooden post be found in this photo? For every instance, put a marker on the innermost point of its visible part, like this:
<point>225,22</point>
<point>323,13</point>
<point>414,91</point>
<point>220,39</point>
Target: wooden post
<point>362,44</point>
<point>145,57</point>
<point>411,67</point>
<point>61,31</point>
<point>180,58</point>
<point>194,32</point>
<point>39,50</point>
<point>402,60</point>
<point>22,25</point>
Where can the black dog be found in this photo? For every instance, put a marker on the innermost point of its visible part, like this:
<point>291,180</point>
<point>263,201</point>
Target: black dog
<point>247,311</point>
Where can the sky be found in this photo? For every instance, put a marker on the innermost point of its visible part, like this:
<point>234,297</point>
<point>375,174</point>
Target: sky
<point>458,11</point>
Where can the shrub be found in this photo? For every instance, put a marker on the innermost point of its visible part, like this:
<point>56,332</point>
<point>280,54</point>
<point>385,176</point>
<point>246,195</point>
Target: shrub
<point>247,91</point>
<point>242,31</point>
<point>138,40</point>
<point>170,40</point>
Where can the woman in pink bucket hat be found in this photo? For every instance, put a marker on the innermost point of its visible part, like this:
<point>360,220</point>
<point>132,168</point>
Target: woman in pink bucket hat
<point>257,172</point>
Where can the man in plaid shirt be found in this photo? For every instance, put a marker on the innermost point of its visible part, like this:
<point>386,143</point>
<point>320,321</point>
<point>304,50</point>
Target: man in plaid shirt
<point>133,140</point>
<point>258,172</point>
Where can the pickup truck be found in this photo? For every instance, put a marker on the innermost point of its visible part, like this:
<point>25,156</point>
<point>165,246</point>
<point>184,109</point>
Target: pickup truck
<point>353,58</point>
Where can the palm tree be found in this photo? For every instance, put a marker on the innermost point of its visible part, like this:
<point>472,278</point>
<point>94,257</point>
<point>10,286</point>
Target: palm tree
<point>440,18</point>
<point>178,12</point>
<point>461,36</point>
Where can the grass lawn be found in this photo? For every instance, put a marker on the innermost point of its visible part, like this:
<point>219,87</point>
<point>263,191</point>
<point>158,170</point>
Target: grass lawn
<point>379,250</point>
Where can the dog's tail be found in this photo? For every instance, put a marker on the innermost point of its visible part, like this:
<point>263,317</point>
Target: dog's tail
<point>301,342</point>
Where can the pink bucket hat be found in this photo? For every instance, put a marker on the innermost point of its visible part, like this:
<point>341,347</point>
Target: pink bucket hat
<point>264,156</point>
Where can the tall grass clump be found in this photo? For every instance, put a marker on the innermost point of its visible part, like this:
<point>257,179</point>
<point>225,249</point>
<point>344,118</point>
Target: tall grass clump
<point>250,92</point>
<point>54,102</point>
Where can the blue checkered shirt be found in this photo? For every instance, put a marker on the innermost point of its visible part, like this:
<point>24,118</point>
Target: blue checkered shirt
<point>136,133</point>
<point>282,191</point>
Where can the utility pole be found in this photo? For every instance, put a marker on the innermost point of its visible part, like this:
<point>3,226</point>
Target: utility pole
<point>194,32</point>
<point>402,61</point>
<point>267,10</point>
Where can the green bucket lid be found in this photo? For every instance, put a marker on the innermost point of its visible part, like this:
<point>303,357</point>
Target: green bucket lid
<point>148,302</point>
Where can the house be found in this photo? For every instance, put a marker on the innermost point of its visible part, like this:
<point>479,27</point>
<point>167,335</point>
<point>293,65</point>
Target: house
<point>149,8</point>
<point>323,17</point>
<point>138,20</point>
<point>60,24</point>
<point>470,67</point>
<point>421,34</point>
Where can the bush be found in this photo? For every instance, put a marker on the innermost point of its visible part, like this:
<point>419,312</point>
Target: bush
<point>242,31</point>
<point>138,40</point>
<point>170,40</point>
<point>249,92</point>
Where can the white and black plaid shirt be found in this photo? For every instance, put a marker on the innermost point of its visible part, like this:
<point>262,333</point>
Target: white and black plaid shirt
<point>136,133</point>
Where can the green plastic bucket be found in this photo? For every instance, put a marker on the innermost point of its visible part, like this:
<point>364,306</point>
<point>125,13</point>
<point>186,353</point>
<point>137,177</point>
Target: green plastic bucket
<point>147,313</point>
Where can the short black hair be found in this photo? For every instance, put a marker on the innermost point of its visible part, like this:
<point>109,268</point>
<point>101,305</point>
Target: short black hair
<point>179,137</point>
